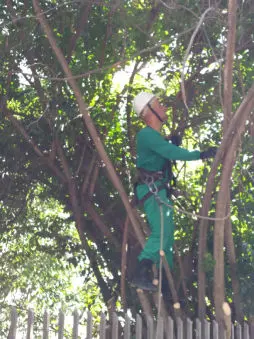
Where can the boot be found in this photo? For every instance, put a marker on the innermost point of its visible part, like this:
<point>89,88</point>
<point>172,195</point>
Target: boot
<point>165,289</point>
<point>142,278</point>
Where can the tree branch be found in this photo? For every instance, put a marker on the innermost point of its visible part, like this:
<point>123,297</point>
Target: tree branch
<point>188,51</point>
<point>124,262</point>
<point>87,178</point>
<point>228,70</point>
<point>100,224</point>
<point>35,147</point>
<point>87,119</point>
<point>80,28</point>
<point>235,124</point>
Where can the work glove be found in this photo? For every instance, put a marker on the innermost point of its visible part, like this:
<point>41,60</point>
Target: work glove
<point>175,139</point>
<point>210,153</point>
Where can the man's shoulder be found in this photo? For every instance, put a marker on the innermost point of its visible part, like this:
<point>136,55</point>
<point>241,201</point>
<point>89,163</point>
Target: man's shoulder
<point>147,131</point>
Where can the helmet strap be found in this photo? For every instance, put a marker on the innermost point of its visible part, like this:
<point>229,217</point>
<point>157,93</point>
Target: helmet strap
<point>155,113</point>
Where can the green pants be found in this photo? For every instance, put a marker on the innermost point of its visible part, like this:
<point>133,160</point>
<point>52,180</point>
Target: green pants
<point>152,210</point>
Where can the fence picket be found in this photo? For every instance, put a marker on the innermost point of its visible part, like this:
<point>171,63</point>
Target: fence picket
<point>103,326</point>
<point>207,329</point>
<point>138,327</point>
<point>170,328</point>
<point>75,325</point>
<point>45,329</point>
<point>165,327</point>
<point>14,321</point>
<point>198,329</point>
<point>189,328</point>
<point>150,330</point>
<point>232,331</point>
<point>127,332</point>
<point>252,328</point>
<point>215,330</point>
<point>159,328</point>
<point>61,325</point>
<point>246,331</point>
<point>114,326</point>
<point>238,331</point>
<point>89,326</point>
<point>30,321</point>
<point>179,324</point>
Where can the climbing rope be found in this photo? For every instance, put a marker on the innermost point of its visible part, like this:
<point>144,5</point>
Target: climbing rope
<point>154,189</point>
<point>161,254</point>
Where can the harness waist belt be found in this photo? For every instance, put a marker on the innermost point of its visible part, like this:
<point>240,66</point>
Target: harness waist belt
<point>136,201</point>
<point>148,177</point>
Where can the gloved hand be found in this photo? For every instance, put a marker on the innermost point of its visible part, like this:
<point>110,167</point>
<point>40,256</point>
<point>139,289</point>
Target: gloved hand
<point>210,153</point>
<point>175,139</point>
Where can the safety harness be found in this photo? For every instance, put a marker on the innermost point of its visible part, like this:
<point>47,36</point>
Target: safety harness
<point>149,178</point>
<point>155,113</point>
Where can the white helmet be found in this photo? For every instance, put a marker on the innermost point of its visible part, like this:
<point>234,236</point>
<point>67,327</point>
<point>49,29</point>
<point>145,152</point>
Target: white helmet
<point>140,101</point>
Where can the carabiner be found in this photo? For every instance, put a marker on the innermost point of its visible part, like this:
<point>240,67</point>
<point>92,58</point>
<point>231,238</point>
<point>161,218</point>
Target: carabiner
<point>153,188</point>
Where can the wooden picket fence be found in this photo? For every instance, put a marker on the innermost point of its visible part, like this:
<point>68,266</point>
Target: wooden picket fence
<point>119,327</point>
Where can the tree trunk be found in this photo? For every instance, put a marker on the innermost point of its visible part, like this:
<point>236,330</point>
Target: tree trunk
<point>228,163</point>
<point>235,128</point>
<point>230,249</point>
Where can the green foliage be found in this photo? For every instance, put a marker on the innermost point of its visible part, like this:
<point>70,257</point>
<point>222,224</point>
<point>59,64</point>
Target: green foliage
<point>208,263</point>
<point>43,261</point>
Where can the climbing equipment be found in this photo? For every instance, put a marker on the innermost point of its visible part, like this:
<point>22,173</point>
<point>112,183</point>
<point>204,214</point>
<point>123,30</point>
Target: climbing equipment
<point>154,190</point>
<point>148,178</point>
<point>141,101</point>
<point>155,113</point>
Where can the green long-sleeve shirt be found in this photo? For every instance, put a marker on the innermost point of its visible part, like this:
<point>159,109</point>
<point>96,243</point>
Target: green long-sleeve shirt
<point>153,150</point>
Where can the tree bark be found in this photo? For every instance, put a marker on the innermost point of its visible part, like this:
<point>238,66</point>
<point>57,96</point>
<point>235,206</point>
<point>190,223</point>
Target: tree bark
<point>228,163</point>
<point>87,119</point>
<point>218,249</point>
<point>228,69</point>
<point>221,208</point>
<point>238,120</point>
<point>230,250</point>
<point>80,222</point>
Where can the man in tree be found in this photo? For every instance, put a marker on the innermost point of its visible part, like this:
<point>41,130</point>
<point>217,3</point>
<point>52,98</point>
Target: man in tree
<point>153,154</point>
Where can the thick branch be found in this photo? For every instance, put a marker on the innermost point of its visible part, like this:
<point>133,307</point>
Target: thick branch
<point>221,208</point>
<point>87,119</point>
<point>88,175</point>
<point>228,70</point>
<point>93,180</point>
<point>80,28</point>
<point>228,163</point>
<point>100,224</point>
<point>236,122</point>
<point>124,263</point>
<point>108,32</point>
<point>230,249</point>
<point>35,147</point>
<point>79,218</point>
<point>129,108</point>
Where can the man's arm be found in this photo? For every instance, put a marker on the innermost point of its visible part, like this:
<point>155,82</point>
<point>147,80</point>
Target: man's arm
<point>169,151</point>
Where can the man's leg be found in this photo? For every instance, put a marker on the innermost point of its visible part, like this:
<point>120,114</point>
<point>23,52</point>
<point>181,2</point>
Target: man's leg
<point>166,224</point>
<point>156,224</point>
<point>143,276</point>
<point>150,253</point>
